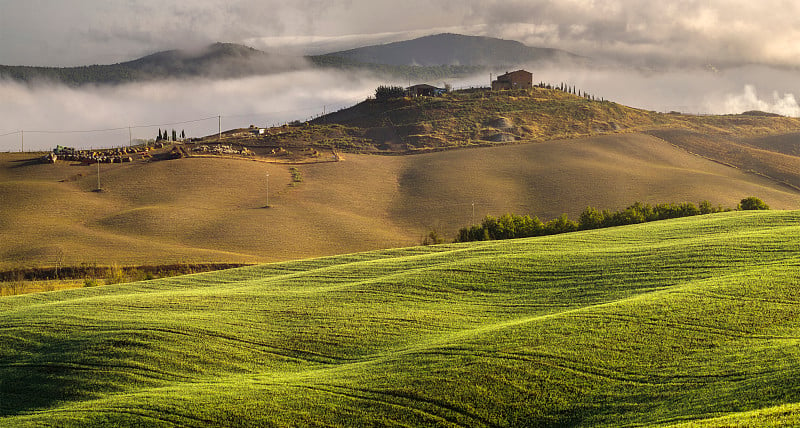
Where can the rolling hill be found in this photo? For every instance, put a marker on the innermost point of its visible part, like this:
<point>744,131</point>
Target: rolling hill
<point>771,155</point>
<point>472,118</point>
<point>687,322</point>
<point>211,210</point>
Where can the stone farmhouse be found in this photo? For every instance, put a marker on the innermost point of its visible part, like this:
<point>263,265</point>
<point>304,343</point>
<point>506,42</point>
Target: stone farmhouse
<point>519,79</point>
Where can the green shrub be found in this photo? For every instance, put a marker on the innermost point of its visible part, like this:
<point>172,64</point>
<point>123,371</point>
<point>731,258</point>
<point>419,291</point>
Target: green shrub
<point>433,238</point>
<point>473,233</point>
<point>753,203</point>
<point>296,176</point>
<point>592,218</point>
<point>560,225</point>
<point>383,92</point>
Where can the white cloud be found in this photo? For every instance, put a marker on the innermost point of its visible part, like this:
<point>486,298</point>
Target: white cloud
<point>680,31</point>
<point>748,99</point>
<point>262,100</point>
<point>54,32</point>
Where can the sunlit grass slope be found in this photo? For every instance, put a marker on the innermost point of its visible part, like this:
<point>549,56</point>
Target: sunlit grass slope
<point>692,320</point>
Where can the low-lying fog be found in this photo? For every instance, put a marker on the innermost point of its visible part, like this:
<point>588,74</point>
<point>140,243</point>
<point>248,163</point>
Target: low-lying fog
<point>51,114</point>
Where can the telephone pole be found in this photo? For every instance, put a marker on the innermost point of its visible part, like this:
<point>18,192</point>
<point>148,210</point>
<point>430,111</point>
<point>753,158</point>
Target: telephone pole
<point>22,140</point>
<point>219,132</point>
<point>473,212</point>
<point>130,137</point>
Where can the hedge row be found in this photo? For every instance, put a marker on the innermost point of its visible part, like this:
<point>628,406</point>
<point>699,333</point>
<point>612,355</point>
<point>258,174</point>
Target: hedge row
<point>510,226</point>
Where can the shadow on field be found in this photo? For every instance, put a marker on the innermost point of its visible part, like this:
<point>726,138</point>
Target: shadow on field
<point>61,370</point>
<point>21,163</point>
<point>40,380</point>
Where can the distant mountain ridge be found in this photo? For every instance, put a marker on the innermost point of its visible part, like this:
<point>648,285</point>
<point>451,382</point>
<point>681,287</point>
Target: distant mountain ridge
<point>455,50</point>
<point>430,57</point>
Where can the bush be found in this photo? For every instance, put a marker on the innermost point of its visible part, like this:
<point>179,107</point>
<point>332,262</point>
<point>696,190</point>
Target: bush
<point>433,238</point>
<point>592,218</point>
<point>383,93</point>
<point>560,225</point>
<point>474,233</point>
<point>752,203</point>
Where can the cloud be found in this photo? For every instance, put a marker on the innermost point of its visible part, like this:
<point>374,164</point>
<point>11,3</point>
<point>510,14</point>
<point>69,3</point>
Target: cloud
<point>748,99</point>
<point>653,34</point>
<point>50,113</point>
<point>703,91</point>
<point>718,31</point>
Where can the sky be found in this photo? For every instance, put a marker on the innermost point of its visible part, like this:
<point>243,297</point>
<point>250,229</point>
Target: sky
<point>697,56</point>
<point>79,32</point>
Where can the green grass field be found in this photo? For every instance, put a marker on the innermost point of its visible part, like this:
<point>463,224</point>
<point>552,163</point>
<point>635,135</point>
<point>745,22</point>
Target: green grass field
<point>689,321</point>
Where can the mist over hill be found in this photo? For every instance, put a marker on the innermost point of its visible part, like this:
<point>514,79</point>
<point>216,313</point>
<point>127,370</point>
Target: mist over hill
<point>219,60</point>
<point>425,58</point>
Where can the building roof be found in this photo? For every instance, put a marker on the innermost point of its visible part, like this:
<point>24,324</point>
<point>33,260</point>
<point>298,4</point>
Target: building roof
<point>514,72</point>
<point>422,86</point>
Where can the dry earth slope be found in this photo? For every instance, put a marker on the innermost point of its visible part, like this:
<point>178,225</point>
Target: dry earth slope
<point>212,210</point>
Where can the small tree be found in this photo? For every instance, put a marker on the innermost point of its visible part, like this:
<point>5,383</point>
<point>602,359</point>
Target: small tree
<point>753,203</point>
<point>174,135</point>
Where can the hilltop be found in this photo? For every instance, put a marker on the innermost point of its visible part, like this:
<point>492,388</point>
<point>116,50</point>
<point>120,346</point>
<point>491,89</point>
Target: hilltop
<point>761,143</point>
<point>684,322</point>
<point>456,50</point>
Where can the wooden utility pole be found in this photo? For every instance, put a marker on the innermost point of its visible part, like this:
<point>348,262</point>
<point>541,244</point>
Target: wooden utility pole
<point>219,132</point>
<point>473,212</point>
<point>22,141</point>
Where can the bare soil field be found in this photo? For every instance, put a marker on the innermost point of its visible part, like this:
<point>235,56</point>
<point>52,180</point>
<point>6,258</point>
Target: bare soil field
<point>197,210</point>
<point>772,156</point>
